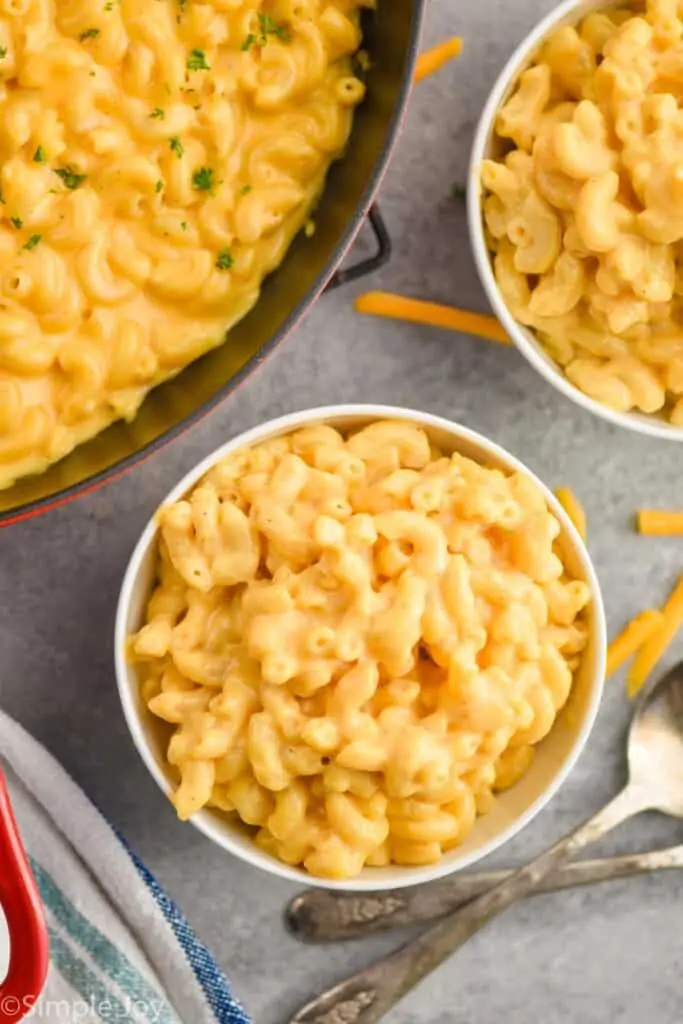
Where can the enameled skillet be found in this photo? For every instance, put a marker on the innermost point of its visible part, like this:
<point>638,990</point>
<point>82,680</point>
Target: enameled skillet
<point>23,910</point>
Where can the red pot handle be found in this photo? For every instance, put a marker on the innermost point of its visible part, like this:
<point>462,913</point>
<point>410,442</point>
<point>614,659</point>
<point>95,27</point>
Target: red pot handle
<point>29,946</point>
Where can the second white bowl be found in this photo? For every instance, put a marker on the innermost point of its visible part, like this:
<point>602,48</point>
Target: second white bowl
<point>486,146</point>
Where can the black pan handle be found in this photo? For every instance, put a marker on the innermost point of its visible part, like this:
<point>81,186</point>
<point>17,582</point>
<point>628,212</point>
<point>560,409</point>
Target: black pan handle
<point>366,266</point>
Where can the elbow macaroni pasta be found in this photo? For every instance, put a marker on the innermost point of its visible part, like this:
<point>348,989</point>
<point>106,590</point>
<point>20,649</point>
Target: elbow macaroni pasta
<point>157,159</point>
<point>355,642</point>
<point>584,213</point>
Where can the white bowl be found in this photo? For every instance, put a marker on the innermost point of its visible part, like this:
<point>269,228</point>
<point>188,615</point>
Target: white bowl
<point>485,145</point>
<point>556,755</point>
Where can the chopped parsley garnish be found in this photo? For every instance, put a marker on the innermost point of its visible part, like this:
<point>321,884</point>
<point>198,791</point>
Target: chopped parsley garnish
<point>459,192</point>
<point>245,190</point>
<point>197,61</point>
<point>158,114</point>
<point>39,156</point>
<point>32,242</point>
<point>183,225</point>
<point>70,177</point>
<point>3,52</point>
<point>17,222</point>
<point>202,179</point>
<point>90,33</point>
<point>225,260</point>
<point>268,27</point>
<point>109,6</point>
<point>176,146</point>
<point>2,199</point>
<point>158,187</point>
<point>92,74</point>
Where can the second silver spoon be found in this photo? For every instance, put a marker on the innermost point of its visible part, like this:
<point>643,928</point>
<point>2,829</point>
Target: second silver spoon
<point>320,916</point>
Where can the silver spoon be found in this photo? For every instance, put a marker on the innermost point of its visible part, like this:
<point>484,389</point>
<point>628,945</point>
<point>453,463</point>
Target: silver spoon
<point>320,916</point>
<point>655,759</point>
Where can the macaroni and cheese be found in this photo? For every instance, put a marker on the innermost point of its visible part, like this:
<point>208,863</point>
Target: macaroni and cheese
<point>584,212</point>
<point>157,159</point>
<point>356,641</point>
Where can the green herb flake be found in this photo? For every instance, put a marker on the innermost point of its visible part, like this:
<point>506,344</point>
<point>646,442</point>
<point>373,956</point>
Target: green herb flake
<point>158,187</point>
<point>183,225</point>
<point>2,199</point>
<point>197,61</point>
<point>202,180</point>
<point>39,156</point>
<point>267,27</point>
<point>70,177</point>
<point>225,260</point>
<point>109,6</point>
<point>17,222</point>
<point>158,114</point>
<point>245,190</point>
<point>3,52</point>
<point>32,242</point>
<point>270,27</point>
<point>90,33</point>
<point>459,192</point>
<point>176,145</point>
<point>92,74</point>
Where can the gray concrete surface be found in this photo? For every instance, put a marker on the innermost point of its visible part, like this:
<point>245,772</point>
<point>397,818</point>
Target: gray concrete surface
<point>610,954</point>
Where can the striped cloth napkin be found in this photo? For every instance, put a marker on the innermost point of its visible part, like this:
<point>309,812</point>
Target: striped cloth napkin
<point>120,948</point>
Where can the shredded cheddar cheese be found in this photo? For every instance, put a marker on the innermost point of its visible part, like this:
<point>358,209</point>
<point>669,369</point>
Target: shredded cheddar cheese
<point>574,509</point>
<point>632,638</point>
<point>655,522</point>
<point>398,307</point>
<point>434,59</point>
<point>654,647</point>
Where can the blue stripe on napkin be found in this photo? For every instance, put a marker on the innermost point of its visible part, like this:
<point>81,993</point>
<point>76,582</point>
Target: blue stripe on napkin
<point>213,981</point>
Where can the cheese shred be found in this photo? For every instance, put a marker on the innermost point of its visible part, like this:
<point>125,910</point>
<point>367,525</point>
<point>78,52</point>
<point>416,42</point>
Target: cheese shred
<point>399,307</point>
<point>574,509</point>
<point>632,638</point>
<point>434,59</point>
<point>655,522</point>
<point>652,650</point>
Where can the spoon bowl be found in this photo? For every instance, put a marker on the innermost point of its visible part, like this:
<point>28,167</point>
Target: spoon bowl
<point>655,745</point>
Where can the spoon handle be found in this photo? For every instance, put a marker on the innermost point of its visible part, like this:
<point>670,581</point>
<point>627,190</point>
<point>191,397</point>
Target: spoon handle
<point>319,916</point>
<point>366,996</point>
